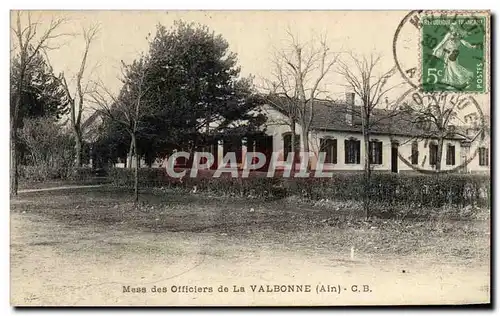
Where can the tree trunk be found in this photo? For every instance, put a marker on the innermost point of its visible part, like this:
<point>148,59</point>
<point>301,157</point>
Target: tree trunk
<point>367,164</point>
<point>305,144</point>
<point>14,173</point>
<point>14,121</point>
<point>292,145</point>
<point>130,154</point>
<point>367,176</point>
<point>136,170</point>
<point>439,154</point>
<point>78,150</point>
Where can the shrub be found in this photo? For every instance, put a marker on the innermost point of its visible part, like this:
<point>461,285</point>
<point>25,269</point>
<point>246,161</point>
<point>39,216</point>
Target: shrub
<point>415,191</point>
<point>47,150</point>
<point>148,177</point>
<point>81,174</point>
<point>42,173</point>
<point>225,185</point>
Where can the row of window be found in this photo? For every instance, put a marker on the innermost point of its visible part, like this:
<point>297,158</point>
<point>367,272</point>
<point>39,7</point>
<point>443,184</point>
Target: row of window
<point>353,152</point>
<point>433,154</point>
<point>450,155</point>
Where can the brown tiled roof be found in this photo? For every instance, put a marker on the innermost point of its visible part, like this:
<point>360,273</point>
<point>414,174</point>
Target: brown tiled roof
<point>331,116</point>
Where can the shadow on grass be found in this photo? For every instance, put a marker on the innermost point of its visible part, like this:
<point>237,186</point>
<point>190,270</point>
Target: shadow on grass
<point>163,211</point>
<point>245,221</point>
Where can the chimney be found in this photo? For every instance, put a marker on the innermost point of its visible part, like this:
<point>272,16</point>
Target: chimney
<point>349,100</point>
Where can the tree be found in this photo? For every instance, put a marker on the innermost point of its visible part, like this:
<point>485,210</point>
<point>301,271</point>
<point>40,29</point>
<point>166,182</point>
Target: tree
<point>77,99</point>
<point>298,72</point>
<point>112,143</point>
<point>129,107</point>
<point>196,90</point>
<point>436,116</point>
<point>47,144</point>
<point>190,94</point>
<point>371,88</point>
<point>29,41</point>
<point>41,95</point>
<point>286,103</point>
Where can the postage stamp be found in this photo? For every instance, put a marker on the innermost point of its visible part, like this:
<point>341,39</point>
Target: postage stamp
<point>453,53</point>
<point>444,51</point>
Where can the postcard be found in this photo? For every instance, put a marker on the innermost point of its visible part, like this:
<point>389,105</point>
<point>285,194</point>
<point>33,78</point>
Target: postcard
<point>250,158</point>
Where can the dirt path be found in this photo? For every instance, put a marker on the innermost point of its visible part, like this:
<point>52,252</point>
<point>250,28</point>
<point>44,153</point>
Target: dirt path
<point>68,187</point>
<point>58,264</point>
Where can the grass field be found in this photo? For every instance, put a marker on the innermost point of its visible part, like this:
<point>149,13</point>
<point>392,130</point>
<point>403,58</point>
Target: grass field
<point>80,247</point>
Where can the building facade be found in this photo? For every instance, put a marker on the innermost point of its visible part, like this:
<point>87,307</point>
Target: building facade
<point>395,146</point>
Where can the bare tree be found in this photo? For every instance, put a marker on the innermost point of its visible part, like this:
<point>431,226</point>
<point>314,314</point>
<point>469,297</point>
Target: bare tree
<point>27,44</point>
<point>282,98</point>
<point>370,87</point>
<point>127,108</point>
<point>77,98</point>
<point>435,116</point>
<point>298,72</point>
<point>48,144</point>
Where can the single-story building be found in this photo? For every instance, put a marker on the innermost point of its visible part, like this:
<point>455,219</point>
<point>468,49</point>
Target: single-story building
<point>396,143</point>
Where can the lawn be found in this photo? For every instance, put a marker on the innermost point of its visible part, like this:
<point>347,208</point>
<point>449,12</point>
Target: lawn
<point>80,247</point>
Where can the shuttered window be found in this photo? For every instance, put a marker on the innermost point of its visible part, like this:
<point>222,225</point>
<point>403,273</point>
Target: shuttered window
<point>352,150</point>
<point>329,147</point>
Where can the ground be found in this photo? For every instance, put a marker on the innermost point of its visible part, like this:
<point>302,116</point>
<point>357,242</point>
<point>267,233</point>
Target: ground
<point>83,246</point>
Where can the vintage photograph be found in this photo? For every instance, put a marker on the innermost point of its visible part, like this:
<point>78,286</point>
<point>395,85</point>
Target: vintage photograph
<point>250,158</point>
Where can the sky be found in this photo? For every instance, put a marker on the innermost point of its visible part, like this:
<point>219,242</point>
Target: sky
<point>252,35</point>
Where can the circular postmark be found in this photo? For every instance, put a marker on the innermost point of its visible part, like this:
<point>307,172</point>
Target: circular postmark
<point>443,51</point>
<point>445,125</point>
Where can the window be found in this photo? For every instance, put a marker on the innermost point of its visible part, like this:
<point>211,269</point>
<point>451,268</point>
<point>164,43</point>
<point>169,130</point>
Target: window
<point>414,153</point>
<point>433,151</point>
<point>352,151</point>
<point>375,149</point>
<point>287,144</point>
<point>483,156</point>
<point>450,155</point>
<point>329,147</point>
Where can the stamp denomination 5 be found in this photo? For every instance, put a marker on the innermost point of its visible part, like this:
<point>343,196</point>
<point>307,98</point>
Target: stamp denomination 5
<point>444,51</point>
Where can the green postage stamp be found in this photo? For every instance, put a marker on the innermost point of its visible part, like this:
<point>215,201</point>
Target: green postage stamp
<point>454,52</point>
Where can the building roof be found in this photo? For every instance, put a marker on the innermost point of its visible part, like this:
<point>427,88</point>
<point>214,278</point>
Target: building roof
<point>332,116</point>
<point>90,126</point>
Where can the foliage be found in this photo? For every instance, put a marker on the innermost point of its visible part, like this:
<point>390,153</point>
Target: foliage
<point>112,143</point>
<point>190,95</point>
<point>82,174</point>
<point>41,95</point>
<point>396,194</point>
<point>415,190</point>
<point>28,43</point>
<point>42,172</point>
<point>194,83</point>
<point>48,150</point>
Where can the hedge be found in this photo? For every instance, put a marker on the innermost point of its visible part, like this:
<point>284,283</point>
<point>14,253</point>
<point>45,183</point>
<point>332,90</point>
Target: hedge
<point>44,173</point>
<point>408,189</point>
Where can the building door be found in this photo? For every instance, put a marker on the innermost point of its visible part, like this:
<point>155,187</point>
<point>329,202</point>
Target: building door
<point>394,157</point>
<point>264,145</point>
